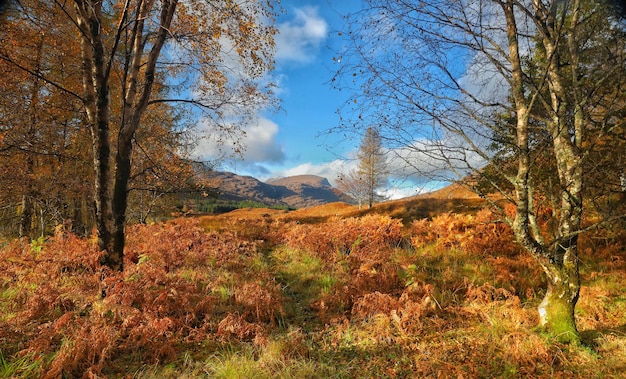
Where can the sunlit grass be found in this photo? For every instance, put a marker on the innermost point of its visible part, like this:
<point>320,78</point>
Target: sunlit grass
<point>27,366</point>
<point>303,274</point>
<point>285,356</point>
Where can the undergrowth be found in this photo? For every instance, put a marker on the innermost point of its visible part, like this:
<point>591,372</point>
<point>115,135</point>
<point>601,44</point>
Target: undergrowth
<point>270,298</point>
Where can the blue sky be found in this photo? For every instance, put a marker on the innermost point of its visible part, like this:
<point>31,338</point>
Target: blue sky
<point>293,140</point>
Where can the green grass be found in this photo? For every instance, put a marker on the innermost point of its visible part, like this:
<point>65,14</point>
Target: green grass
<point>27,366</point>
<point>305,279</point>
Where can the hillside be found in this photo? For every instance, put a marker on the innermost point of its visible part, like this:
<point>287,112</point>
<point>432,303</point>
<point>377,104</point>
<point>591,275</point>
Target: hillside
<point>308,190</point>
<point>453,198</point>
<point>294,192</point>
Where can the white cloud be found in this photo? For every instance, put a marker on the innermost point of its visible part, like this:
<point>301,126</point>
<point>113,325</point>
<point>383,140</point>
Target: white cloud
<point>261,144</point>
<point>252,144</point>
<point>299,39</point>
<point>398,188</point>
<point>394,193</point>
<point>413,170</point>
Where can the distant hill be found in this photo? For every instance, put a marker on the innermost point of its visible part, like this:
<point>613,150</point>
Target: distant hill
<point>304,191</point>
<point>301,191</point>
<point>316,198</point>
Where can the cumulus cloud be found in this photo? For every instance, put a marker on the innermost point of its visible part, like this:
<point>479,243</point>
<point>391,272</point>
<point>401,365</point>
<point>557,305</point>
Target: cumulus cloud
<point>299,39</point>
<point>261,144</point>
<point>253,144</point>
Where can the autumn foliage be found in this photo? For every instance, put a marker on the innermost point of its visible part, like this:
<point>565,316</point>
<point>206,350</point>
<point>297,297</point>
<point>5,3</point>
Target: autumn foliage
<point>360,237</point>
<point>483,234</point>
<point>454,287</point>
<point>168,296</point>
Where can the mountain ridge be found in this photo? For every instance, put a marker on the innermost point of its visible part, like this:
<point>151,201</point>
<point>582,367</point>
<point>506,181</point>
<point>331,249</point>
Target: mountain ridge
<point>300,191</point>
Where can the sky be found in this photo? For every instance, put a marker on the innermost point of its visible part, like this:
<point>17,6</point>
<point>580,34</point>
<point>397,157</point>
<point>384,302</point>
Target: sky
<point>293,140</point>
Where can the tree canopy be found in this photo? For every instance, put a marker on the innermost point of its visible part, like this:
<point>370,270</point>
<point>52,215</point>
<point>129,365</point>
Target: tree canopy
<point>125,81</point>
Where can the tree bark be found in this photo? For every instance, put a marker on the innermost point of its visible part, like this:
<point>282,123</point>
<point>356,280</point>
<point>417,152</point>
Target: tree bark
<point>96,99</point>
<point>111,204</point>
<point>135,104</point>
<point>564,285</point>
<point>559,263</point>
<point>120,194</point>
<point>26,217</point>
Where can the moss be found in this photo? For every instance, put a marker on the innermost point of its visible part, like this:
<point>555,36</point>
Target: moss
<point>557,315</point>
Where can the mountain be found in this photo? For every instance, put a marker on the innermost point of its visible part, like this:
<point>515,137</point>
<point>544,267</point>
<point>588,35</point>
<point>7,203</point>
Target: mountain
<point>304,191</point>
<point>300,191</point>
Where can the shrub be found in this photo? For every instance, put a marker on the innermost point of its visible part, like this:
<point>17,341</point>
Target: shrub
<point>368,237</point>
<point>481,234</point>
<point>163,298</point>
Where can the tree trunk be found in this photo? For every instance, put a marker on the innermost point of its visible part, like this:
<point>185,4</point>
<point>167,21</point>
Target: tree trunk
<point>26,217</point>
<point>120,195</point>
<point>27,207</point>
<point>135,103</point>
<point>560,263</point>
<point>78,220</point>
<point>95,86</point>
<point>104,215</point>
<point>556,311</point>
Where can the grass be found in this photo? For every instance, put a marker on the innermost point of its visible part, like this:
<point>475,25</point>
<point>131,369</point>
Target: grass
<point>250,305</point>
<point>280,358</point>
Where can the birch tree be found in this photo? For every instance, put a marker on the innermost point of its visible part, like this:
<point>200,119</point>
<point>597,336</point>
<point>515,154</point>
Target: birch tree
<point>437,78</point>
<point>208,58</point>
<point>353,185</point>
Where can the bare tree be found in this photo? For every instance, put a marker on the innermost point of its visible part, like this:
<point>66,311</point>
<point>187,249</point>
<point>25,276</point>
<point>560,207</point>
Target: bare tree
<point>439,77</point>
<point>353,185</point>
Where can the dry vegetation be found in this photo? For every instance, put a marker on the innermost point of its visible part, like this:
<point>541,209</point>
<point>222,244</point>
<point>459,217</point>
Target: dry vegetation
<point>309,294</point>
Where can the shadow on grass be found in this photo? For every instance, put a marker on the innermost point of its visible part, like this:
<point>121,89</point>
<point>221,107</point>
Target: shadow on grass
<point>591,337</point>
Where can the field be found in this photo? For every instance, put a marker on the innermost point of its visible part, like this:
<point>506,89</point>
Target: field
<point>326,292</point>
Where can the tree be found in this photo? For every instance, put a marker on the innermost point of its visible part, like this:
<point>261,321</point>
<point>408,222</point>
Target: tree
<point>372,164</point>
<point>438,76</point>
<point>41,164</point>
<point>353,185</point>
<point>208,57</point>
